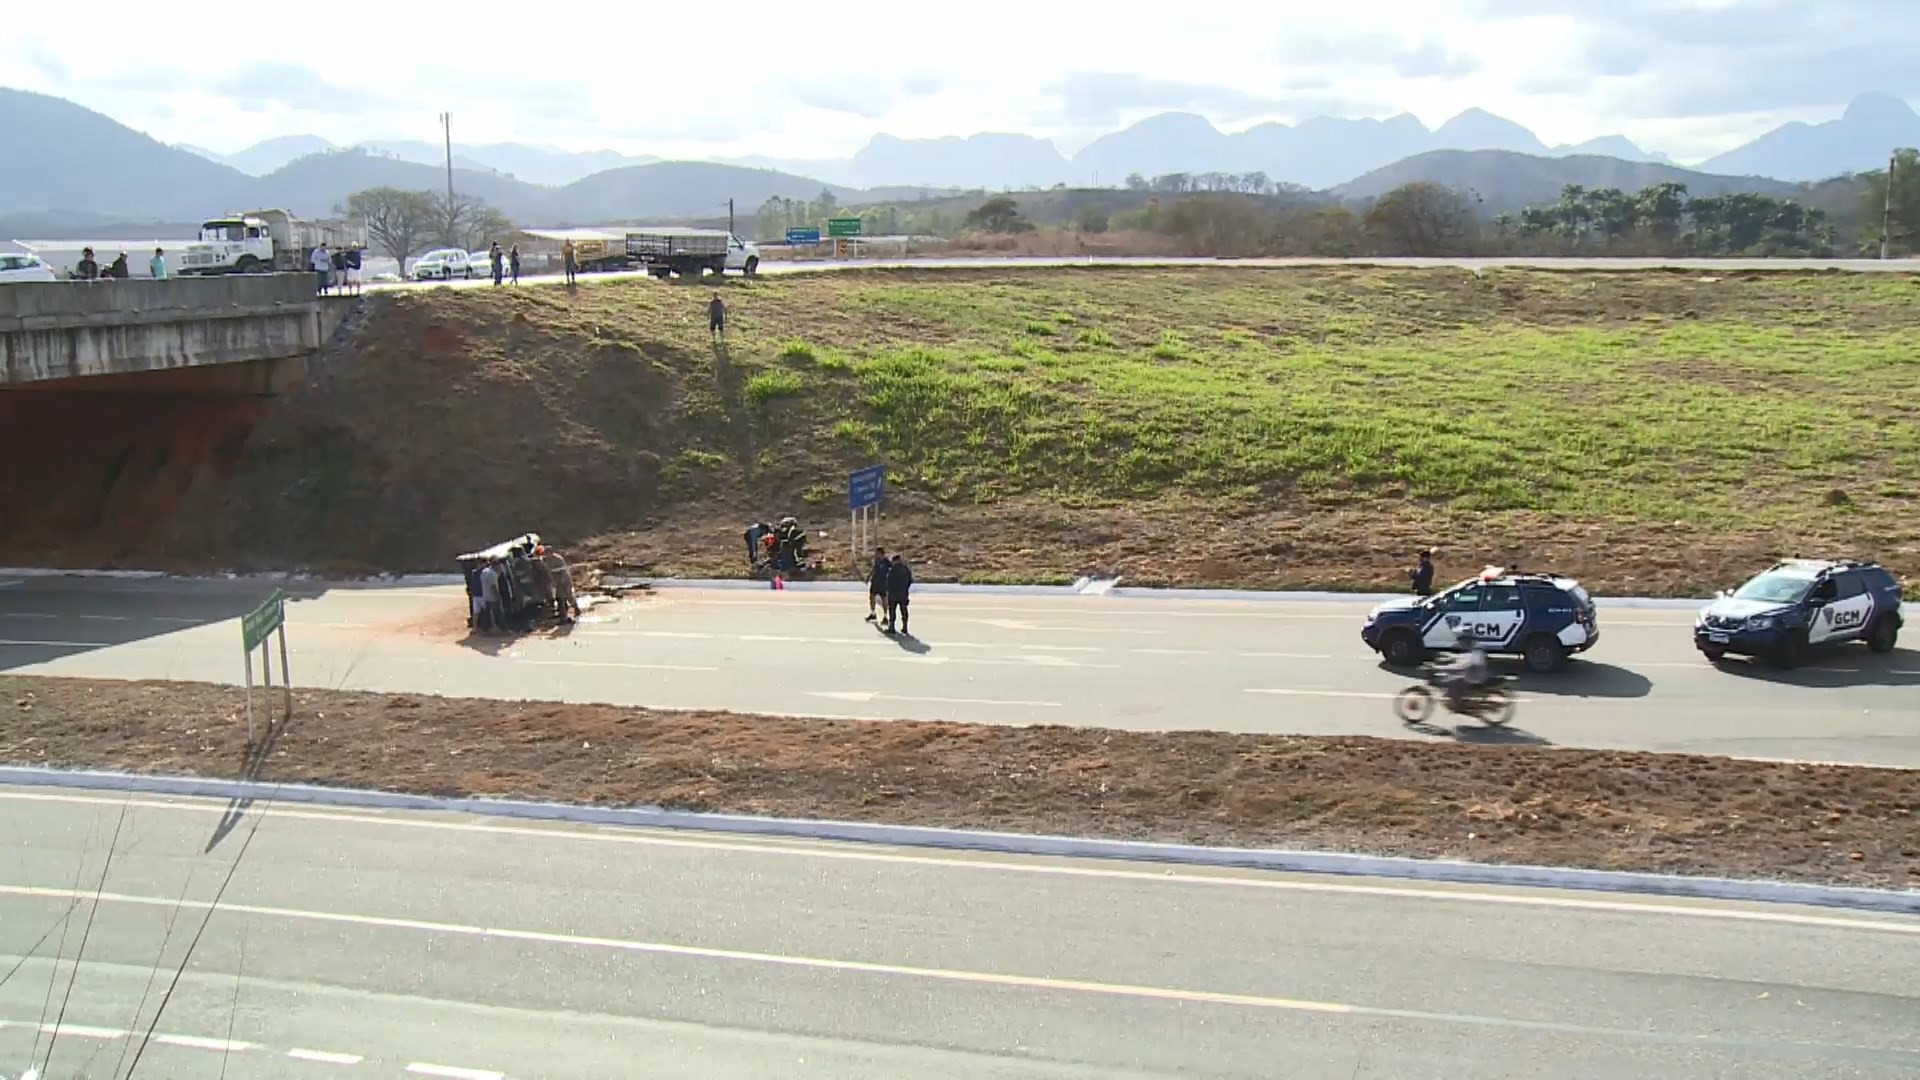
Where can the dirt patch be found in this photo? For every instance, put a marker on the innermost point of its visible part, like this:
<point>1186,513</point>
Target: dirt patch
<point>1603,809</point>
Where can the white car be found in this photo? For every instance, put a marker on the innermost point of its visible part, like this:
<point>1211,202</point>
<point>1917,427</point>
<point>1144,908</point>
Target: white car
<point>15,267</point>
<point>482,263</point>
<point>444,265</point>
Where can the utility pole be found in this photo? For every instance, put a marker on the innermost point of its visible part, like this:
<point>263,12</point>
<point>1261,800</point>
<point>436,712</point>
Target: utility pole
<point>730,231</point>
<point>446,129</point>
<point>1886,211</point>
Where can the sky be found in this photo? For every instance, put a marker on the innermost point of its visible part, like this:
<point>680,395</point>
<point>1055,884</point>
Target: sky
<point>1688,77</point>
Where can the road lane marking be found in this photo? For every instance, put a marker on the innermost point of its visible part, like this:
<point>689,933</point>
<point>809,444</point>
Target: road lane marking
<point>1047,628</point>
<point>962,976</point>
<point>1326,693</point>
<point>615,664</point>
<point>56,644</point>
<point>1285,656</point>
<point>801,847</point>
<point>82,1031</point>
<point>325,1057</point>
<point>875,695</point>
<point>198,1042</point>
<point>455,1072</point>
<point>28,615</point>
<point>1017,661</point>
<point>11,583</point>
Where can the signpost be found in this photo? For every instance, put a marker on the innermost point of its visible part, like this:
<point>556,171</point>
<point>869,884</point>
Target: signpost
<point>803,236</point>
<point>865,489</point>
<point>256,627</point>
<point>842,228</point>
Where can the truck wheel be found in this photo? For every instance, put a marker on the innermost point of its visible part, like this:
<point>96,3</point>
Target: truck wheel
<point>247,265</point>
<point>1884,635</point>
<point>753,265</point>
<point>1402,649</point>
<point>1544,654</point>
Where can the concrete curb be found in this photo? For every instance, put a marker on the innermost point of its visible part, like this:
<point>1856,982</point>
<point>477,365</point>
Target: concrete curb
<point>1299,862</point>
<point>1083,587</point>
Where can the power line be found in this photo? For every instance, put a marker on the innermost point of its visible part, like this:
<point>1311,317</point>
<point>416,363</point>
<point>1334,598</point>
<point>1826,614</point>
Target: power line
<point>73,976</point>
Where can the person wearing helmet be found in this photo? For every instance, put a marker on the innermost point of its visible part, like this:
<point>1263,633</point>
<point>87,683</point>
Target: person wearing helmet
<point>1468,670</point>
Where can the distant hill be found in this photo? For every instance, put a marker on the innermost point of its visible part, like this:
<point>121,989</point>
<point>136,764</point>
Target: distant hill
<point>61,156</point>
<point>1507,182</point>
<point>1860,141</point>
<point>679,189</point>
<point>314,185</point>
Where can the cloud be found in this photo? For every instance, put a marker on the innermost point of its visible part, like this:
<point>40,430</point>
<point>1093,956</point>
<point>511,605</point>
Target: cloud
<point>1428,57</point>
<point>257,87</point>
<point>48,62</point>
<point>1669,59</point>
<point>867,96</point>
<point>1090,98</point>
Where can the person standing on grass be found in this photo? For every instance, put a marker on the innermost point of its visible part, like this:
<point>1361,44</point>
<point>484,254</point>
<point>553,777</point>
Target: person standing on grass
<point>877,583</point>
<point>899,590</point>
<point>716,317</point>
<point>513,263</point>
<point>498,259</point>
<point>570,257</point>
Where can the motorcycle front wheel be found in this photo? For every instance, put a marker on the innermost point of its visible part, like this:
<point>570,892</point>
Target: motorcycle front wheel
<point>1413,705</point>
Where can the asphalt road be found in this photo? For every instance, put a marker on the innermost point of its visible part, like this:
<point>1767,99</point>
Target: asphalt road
<point>357,944</point>
<point>1149,664</point>
<point>1474,264</point>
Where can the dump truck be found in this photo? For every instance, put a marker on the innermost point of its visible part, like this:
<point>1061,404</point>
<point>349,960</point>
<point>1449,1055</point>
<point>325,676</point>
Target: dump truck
<point>263,241</point>
<point>690,252</point>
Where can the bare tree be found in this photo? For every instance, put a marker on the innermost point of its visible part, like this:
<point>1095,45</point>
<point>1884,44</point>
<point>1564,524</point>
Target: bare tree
<point>466,222</point>
<point>398,221</point>
<point>1423,219</point>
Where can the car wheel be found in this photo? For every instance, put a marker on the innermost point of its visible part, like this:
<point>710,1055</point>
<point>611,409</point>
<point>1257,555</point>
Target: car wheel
<point>753,266</point>
<point>1792,652</point>
<point>1402,649</point>
<point>1544,654</point>
<point>1884,635</point>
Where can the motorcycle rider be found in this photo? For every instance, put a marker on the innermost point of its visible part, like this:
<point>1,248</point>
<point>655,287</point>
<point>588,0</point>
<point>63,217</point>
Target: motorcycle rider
<point>1467,672</point>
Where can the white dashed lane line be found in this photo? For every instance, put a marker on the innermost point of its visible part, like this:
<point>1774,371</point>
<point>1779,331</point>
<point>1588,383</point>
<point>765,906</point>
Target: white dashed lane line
<point>236,1046</point>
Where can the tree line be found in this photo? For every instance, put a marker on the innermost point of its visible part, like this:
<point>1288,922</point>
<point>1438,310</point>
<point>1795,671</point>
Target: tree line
<point>402,223</point>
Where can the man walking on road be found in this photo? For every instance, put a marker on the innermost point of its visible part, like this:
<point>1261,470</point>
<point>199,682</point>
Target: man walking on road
<point>877,583</point>
<point>899,589</point>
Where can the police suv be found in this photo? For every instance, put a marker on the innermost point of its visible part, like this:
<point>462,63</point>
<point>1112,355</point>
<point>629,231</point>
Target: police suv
<point>1543,618</point>
<point>1800,603</point>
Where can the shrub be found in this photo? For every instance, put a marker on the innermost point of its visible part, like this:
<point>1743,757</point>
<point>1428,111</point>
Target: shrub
<point>767,385</point>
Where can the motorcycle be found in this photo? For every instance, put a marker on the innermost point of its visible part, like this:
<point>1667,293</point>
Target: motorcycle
<point>1492,704</point>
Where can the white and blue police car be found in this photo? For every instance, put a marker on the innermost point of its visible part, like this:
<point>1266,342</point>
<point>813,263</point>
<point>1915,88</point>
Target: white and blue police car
<point>1542,618</point>
<point>1793,606</point>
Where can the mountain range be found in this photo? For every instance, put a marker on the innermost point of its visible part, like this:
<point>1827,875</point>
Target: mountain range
<point>81,166</point>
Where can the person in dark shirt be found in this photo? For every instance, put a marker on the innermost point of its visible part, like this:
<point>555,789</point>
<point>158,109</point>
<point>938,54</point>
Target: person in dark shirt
<point>88,268</point>
<point>877,583</point>
<point>716,317</point>
<point>1422,574</point>
<point>119,271</point>
<point>513,262</point>
<point>899,588</point>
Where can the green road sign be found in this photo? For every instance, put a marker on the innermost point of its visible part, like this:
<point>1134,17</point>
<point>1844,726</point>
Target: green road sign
<point>843,226</point>
<point>255,625</point>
